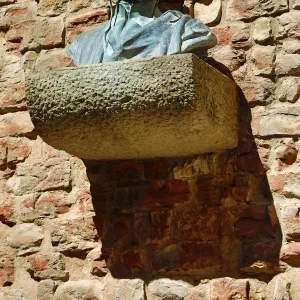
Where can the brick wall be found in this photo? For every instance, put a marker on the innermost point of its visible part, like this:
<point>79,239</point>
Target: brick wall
<point>218,226</point>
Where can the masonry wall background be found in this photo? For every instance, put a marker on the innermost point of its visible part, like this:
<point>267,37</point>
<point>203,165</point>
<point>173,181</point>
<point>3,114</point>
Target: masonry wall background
<point>218,226</point>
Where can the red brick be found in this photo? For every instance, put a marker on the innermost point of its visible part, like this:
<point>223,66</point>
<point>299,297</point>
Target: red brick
<point>121,228</point>
<point>18,123</point>
<point>85,23</point>
<point>6,209</point>
<point>211,191</point>
<point>47,266</point>
<point>132,260</point>
<point>277,182</point>
<point>142,228</point>
<point>6,271</point>
<point>223,34</point>
<point>168,192</point>
<point>250,162</point>
<point>12,99</point>
<point>6,212</point>
<point>158,169</point>
<point>127,171</point>
<point>99,268</point>
<point>101,224</point>
<point>3,153</point>
<point>290,253</point>
<point>19,14</point>
<point>53,59</point>
<point>198,225</point>
<point>37,34</point>
<point>261,257</point>
<point>263,153</point>
<point>130,197</point>
<point>160,224</point>
<point>84,198</point>
<point>18,150</point>
<point>292,228</point>
<point>228,289</point>
<point>53,202</point>
<point>287,156</point>
<point>38,262</point>
<point>199,256</point>
<point>248,227</point>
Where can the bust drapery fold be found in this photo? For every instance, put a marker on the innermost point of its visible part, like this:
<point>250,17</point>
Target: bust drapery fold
<point>125,37</point>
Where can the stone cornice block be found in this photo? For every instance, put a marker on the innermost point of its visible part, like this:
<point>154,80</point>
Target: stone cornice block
<point>156,107</point>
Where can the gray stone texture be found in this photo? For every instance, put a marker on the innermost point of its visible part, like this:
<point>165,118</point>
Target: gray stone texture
<point>158,107</point>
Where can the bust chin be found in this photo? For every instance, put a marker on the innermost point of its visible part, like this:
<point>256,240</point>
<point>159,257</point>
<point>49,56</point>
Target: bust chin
<point>139,30</point>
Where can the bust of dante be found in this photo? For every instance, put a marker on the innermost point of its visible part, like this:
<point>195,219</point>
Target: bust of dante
<point>138,29</point>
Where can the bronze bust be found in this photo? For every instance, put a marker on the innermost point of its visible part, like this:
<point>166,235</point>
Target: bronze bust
<point>138,29</point>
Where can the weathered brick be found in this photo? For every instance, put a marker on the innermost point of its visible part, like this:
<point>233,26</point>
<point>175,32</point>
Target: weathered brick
<point>208,14</point>
<point>291,228</point>
<point>277,182</point>
<point>40,176</point>
<point>11,70</point>
<point>263,151</point>
<point>12,98</point>
<point>25,236</point>
<point>52,8</point>
<point>257,90</point>
<point>227,288</point>
<point>263,59</point>
<point>286,155</point>
<point>26,212</point>
<point>262,30</point>
<point>277,120</point>
<point>5,2</point>
<point>288,25</point>
<point>37,34</point>
<point>46,289</point>
<point>287,64</point>
<point>6,271</point>
<point>160,224</point>
<point>13,124</point>
<point>169,289</point>
<point>3,153</point>
<point>223,34</point>
<point>168,192</point>
<point>261,257</point>
<point>142,227</point>
<point>20,13</point>
<point>127,289</point>
<point>99,268</point>
<point>288,89</point>
<point>52,203</point>
<point>199,292</point>
<point>18,149</point>
<point>81,289</point>
<point>198,225</point>
<point>290,253</point>
<point>211,191</point>
<point>248,10</point>
<point>225,59</point>
<point>83,23</point>
<point>240,31</point>
<point>199,256</point>
<point>248,227</point>
<point>132,259</point>
<point>47,266</point>
<point>283,286</point>
<point>52,59</point>
<point>74,236</point>
<point>290,46</point>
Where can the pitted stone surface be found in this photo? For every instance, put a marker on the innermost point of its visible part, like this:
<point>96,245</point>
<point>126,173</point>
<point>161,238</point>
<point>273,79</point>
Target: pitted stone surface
<point>126,109</point>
